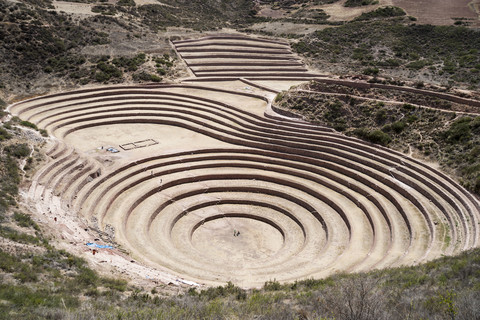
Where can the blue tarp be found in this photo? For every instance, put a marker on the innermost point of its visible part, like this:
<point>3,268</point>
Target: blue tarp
<point>94,245</point>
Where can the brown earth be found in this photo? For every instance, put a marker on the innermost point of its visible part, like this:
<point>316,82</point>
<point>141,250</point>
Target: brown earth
<point>441,12</point>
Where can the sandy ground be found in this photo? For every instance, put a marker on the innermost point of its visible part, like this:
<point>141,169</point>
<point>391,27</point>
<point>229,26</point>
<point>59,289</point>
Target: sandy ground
<point>267,11</point>
<point>338,12</point>
<point>279,84</point>
<point>77,8</point>
<point>169,138</point>
<point>288,27</point>
<point>242,87</point>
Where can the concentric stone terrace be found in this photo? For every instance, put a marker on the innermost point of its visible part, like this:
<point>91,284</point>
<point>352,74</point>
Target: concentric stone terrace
<point>223,192</point>
<point>240,56</point>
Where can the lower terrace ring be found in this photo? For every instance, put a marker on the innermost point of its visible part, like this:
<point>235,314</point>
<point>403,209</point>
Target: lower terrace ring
<point>231,191</point>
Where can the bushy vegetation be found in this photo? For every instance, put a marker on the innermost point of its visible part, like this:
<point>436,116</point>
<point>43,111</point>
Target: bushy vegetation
<point>4,135</point>
<point>31,35</point>
<point>3,104</point>
<point>462,140</point>
<point>358,3</point>
<point>448,53</point>
<point>24,220</point>
<point>65,279</point>
<point>130,64</point>
<point>146,77</point>
<point>290,4</point>
<point>383,12</point>
<point>106,69</point>
<point>38,43</point>
<point>18,150</point>
<point>374,136</point>
<point>12,153</point>
<point>105,9</point>
<point>9,180</point>
<point>126,3</point>
<point>445,288</point>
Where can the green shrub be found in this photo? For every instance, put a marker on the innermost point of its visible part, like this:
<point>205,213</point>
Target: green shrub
<point>9,180</point>
<point>381,116</point>
<point>19,150</point>
<point>101,76</point>
<point>163,61</point>
<point>387,128</point>
<point>279,97</point>
<point>155,78</point>
<point>107,71</point>
<point>114,284</point>
<point>408,107</point>
<point>9,263</point>
<point>28,124</point>
<point>144,76</point>
<point>419,64</point>
<point>130,3</point>
<point>383,12</point>
<point>24,220</point>
<point>476,187</point>
<point>398,126</point>
<point>371,71</point>
<point>130,64</point>
<point>4,135</point>
<point>272,285</point>
<point>13,235</point>
<point>375,136</point>
<point>25,274</point>
<point>389,63</point>
<point>301,47</point>
<point>475,125</point>
<point>227,290</point>
<point>104,9</point>
<point>379,137</point>
<point>358,3</point>
<point>21,297</point>
<point>459,131</point>
<point>412,118</point>
<point>86,277</point>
